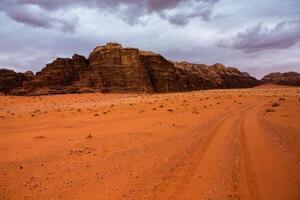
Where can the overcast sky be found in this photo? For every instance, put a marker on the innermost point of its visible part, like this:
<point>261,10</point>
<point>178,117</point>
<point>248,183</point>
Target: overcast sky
<point>257,36</point>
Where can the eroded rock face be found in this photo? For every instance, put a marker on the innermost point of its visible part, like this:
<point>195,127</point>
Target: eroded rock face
<point>219,76</point>
<point>288,78</point>
<point>10,80</point>
<point>119,69</point>
<point>112,68</point>
<point>58,77</point>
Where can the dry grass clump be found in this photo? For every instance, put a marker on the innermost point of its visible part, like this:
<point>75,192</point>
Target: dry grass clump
<point>195,111</point>
<point>170,110</point>
<point>270,110</point>
<point>39,137</point>
<point>275,104</point>
<point>89,136</point>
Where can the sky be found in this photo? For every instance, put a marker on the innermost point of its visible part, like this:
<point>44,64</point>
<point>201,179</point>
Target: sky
<point>257,36</point>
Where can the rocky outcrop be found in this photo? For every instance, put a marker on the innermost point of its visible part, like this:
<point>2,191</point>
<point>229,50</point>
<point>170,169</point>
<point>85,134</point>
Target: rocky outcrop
<point>119,69</point>
<point>10,80</point>
<point>288,78</point>
<point>112,68</point>
<point>218,76</point>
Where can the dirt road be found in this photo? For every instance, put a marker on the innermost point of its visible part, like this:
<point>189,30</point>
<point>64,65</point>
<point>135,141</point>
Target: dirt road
<point>230,144</point>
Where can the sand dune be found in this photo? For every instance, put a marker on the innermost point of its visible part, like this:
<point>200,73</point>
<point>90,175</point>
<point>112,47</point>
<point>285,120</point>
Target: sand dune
<point>215,144</point>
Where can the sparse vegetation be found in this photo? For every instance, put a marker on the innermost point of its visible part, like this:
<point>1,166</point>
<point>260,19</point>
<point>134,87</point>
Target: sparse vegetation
<point>270,110</point>
<point>195,111</point>
<point>89,136</point>
<point>39,137</point>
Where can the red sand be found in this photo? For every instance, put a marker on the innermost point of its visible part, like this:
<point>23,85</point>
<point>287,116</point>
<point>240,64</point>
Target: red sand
<point>218,144</point>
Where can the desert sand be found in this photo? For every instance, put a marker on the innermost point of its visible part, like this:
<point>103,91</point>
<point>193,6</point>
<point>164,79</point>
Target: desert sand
<point>214,144</point>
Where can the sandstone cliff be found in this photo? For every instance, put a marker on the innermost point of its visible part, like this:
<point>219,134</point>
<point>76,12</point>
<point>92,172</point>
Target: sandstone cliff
<point>112,68</point>
<point>288,78</point>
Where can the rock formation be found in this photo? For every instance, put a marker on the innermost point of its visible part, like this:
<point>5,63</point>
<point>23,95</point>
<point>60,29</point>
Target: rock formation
<point>112,68</point>
<point>288,78</point>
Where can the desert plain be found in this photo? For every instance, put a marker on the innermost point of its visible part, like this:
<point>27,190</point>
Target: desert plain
<point>210,144</point>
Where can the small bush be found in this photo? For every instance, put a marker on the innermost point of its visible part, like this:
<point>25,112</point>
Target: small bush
<point>39,137</point>
<point>275,104</point>
<point>89,136</point>
<point>195,111</point>
<point>270,110</point>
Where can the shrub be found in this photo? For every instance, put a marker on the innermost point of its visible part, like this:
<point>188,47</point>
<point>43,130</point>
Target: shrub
<point>270,110</point>
<point>89,136</point>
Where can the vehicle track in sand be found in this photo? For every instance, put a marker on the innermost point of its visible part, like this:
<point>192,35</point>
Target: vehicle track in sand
<point>219,165</point>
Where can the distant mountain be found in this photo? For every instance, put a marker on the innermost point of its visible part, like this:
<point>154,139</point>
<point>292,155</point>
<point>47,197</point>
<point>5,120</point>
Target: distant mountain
<point>288,78</point>
<point>112,68</point>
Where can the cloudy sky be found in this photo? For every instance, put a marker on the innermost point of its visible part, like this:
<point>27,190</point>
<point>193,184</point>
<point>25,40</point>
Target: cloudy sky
<point>257,36</point>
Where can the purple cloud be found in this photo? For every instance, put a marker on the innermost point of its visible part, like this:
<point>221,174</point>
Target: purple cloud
<point>41,20</point>
<point>129,10</point>
<point>258,38</point>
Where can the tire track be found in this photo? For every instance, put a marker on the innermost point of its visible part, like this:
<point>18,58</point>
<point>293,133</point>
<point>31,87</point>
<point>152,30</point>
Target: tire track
<point>230,152</point>
<point>250,176</point>
<point>183,169</point>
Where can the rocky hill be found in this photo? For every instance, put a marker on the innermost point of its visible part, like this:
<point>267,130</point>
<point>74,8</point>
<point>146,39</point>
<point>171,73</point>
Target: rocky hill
<point>288,78</point>
<point>112,68</point>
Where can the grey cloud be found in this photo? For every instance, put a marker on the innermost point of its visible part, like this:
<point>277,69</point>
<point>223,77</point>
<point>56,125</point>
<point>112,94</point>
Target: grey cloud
<point>173,11</point>
<point>42,20</point>
<point>190,10</point>
<point>258,38</point>
<point>37,17</point>
<point>129,10</point>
